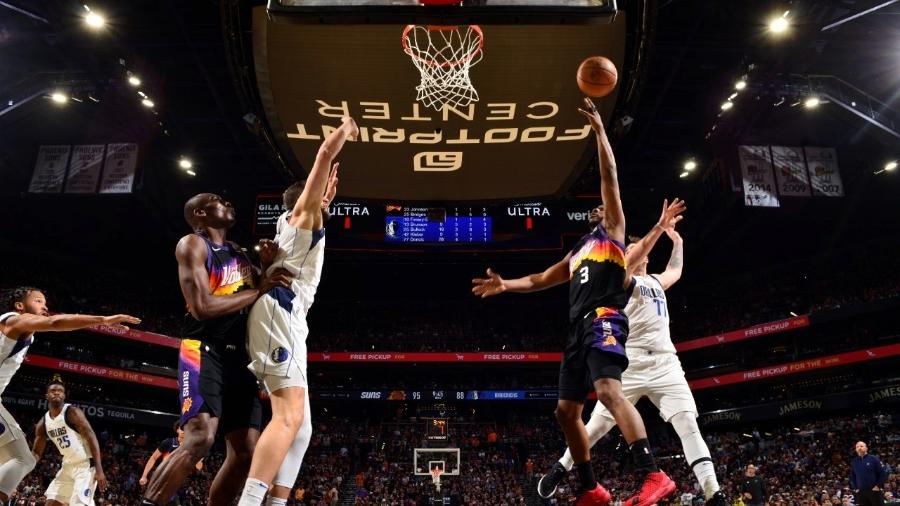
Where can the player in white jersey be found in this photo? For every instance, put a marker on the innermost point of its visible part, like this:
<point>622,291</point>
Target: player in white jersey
<point>82,466</point>
<point>28,314</point>
<point>276,330</point>
<point>653,371</point>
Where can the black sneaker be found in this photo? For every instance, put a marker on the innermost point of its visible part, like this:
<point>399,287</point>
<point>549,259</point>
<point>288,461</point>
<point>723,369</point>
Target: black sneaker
<point>549,482</point>
<point>718,499</point>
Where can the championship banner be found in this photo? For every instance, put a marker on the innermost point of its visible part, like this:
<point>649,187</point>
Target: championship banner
<point>824,175</point>
<point>119,169</point>
<point>84,168</point>
<point>759,184</point>
<point>812,364</point>
<point>50,169</point>
<point>100,371</point>
<point>790,171</point>
<point>93,411</point>
<point>739,335</point>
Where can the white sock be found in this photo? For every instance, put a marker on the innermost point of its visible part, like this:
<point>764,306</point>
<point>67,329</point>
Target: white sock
<point>696,453</point>
<point>705,472</point>
<point>275,501</point>
<point>254,493</point>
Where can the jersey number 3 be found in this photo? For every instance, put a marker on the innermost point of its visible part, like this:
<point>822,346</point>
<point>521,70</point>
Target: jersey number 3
<point>584,274</point>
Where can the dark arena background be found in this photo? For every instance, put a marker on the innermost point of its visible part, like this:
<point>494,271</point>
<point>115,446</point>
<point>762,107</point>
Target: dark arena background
<point>777,121</point>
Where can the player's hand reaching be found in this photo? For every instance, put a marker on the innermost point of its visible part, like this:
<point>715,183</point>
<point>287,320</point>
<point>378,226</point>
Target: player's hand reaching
<point>487,287</point>
<point>331,189</point>
<point>671,214</point>
<point>116,321</point>
<point>593,115</point>
<point>281,277</point>
<point>267,251</point>
<point>143,481</point>
<point>352,129</point>
<point>101,480</point>
<point>675,236</point>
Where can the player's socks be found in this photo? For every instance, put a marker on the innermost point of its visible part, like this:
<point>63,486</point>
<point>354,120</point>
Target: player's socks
<point>586,475</point>
<point>705,472</point>
<point>276,501</point>
<point>254,493</point>
<point>643,457</point>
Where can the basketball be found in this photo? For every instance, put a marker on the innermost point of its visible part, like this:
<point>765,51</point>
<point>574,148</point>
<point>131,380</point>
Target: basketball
<point>597,76</point>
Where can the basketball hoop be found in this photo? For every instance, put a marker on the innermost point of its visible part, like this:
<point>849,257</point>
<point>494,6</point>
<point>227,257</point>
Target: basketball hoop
<point>443,55</point>
<point>436,477</point>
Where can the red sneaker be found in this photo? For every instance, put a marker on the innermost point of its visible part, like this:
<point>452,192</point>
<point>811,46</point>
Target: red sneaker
<point>596,497</point>
<point>656,486</point>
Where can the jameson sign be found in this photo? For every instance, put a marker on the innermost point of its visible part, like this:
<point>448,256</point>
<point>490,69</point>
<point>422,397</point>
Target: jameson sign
<point>101,412</point>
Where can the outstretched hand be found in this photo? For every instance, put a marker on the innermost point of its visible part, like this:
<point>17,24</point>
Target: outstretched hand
<point>593,115</point>
<point>331,188</point>
<point>350,124</point>
<point>490,286</point>
<point>673,235</point>
<point>116,321</point>
<point>671,213</point>
<point>267,251</point>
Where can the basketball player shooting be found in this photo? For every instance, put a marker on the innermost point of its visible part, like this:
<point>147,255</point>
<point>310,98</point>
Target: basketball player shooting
<point>654,371</point>
<point>82,465</point>
<point>277,330</point>
<point>597,276</point>
<point>29,314</point>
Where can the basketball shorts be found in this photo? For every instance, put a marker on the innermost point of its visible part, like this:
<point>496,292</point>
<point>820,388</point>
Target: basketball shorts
<point>276,339</point>
<point>595,349</point>
<point>213,378</point>
<point>9,429</point>
<point>74,484</point>
<point>660,377</point>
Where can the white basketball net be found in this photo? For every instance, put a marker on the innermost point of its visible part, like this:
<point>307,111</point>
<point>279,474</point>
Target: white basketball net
<point>443,56</point>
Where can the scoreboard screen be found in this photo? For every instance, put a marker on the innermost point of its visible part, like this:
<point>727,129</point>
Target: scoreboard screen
<point>356,225</point>
<point>437,225</point>
<point>436,429</point>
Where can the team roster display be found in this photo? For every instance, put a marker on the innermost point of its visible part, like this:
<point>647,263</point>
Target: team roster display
<point>437,225</point>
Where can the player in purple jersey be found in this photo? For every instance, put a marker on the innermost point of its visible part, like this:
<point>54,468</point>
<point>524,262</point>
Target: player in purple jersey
<point>218,393</point>
<point>594,358</point>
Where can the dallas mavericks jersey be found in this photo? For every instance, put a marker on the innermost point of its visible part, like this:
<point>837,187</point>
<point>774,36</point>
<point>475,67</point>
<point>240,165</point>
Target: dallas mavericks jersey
<point>302,253</point>
<point>648,316</point>
<point>230,272</point>
<point>68,441</point>
<point>12,352</point>
<point>596,274</point>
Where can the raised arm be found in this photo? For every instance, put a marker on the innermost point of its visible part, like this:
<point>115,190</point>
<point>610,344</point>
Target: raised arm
<point>194,281</point>
<point>556,274</point>
<point>308,208</point>
<point>40,440</point>
<point>668,218</point>
<point>672,274</point>
<point>149,466</point>
<point>614,215</point>
<point>25,324</point>
<point>75,417</point>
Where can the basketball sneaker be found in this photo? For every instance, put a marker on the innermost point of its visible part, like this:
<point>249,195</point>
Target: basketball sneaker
<point>656,486</point>
<point>549,482</point>
<point>596,497</point>
<point>718,499</point>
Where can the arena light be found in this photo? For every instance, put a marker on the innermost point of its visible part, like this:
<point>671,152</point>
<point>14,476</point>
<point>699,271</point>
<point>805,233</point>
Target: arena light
<point>740,85</point>
<point>732,97</point>
<point>185,163</point>
<point>811,102</point>
<point>133,79</point>
<point>690,165</point>
<point>890,166</point>
<point>727,105</point>
<point>147,103</point>
<point>190,173</point>
<point>684,175</point>
<point>59,97</point>
<point>780,24</point>
<point>93,19</point>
